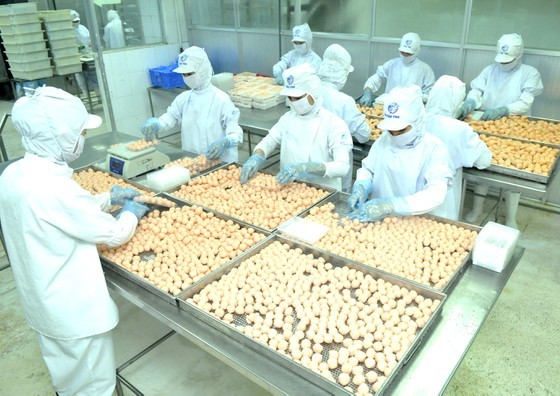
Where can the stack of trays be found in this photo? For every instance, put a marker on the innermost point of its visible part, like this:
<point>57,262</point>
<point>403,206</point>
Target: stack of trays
<point>24,41</point>
<point>252,91</point>
<point>62,41</point>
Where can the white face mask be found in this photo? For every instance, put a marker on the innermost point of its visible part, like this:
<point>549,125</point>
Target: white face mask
<point>78,150</point>
<point>508,66</point>
<point>301,48</point>
<point>193,81</point>
<point>407,60</point>
<point>301,106</point>
<point>405,140</point>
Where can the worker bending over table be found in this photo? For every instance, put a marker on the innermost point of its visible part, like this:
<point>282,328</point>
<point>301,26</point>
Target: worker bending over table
<point>333,72</point>
<point>209,120</point>
<point>51,227</point>
<point>465,147</point>
<point>407,171</point>
<point>314,143</point>
<point>506,87</point>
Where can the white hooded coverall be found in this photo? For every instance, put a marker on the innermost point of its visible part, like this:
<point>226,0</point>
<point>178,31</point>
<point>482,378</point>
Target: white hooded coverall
<point>464,145</point>
<point>113,32</point>
<point>293,57</point>
<point>51,226</point>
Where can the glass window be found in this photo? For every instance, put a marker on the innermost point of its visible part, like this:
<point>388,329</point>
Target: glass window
<point>434,20</point>
<point>212,12</point>
<point>337,16</point>
<point>532,20</point>
<point>258,14</point>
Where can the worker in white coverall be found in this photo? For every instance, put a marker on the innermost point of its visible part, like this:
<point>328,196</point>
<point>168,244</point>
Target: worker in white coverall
<point>84,46</point>
<point>208,118</point>
<point>302,53</point>
<point>51,227</point>
<point>465,147</point>
<point>314,143</point>
<point>403,71</point>
<point>506,87</point>
<point>333,72</point>
<point>113,34</point>
<point>407,171</point>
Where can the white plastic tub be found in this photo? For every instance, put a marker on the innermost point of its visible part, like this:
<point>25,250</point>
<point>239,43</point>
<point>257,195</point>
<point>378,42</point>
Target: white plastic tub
<point>62,43</point>
<point>15,19</point>
<point>67,60</point>
<point>23,38</point>
<point>31,27</point>
<point>27,56</point>
<point>64,70</point>
<point>65,33</point>
<point>58,25</point>
<point>54,16</point>
<point>25,47</point>
<point>18,8</point>
<point>29,66</point>
<point>64,51</point>
<point>33,74</point>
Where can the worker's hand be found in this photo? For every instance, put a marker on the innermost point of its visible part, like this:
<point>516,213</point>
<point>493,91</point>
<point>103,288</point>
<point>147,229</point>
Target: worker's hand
<point>467,108</point>
<point>251,166</point>
<point>298,170</point>
<point>277,72</point>
<point>377,209</point>
<point>367,98</point>
<point>494,114</point>
<point>120,195</point>
<point>151,128</point>
<point>137,209</point>
<point>360,192</point>
<point>217,148</point>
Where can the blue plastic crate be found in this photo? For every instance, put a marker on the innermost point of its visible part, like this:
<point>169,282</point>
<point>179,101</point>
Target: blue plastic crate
<point>164,77</point>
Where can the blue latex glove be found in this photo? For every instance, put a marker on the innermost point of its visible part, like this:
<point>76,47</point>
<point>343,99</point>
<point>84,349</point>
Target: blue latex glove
<point>151,128</point>
<point>359,195</point>
<point>137,209</point>
<point>377,209</point>
<point>278,75</point>
<point>367,98</point>
<point>120,195</point>
<point>467,107</point>
<point>298,170</point>
<point>494,114</point>
<point>251,166</point>
<point>217,148</point>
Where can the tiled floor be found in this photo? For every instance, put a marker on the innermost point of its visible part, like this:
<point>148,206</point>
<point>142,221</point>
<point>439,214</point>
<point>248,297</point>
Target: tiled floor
<point>515,353</point>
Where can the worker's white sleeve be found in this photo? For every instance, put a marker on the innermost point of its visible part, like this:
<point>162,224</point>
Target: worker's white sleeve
<point>428,199</point>
<point>356,121</point>
<point>174,113</point>
<point>484,161</point>
<point>374,82</point>
<point>272,140</point>
<point>478,86</point>
<point>81,218</point>
<point>283,63</point>
<point>365,173</point>
<point>429,81</point>
<point>104,200</point>
<point>340,164</point>
<point>230,123</point>
<point>532,87</point>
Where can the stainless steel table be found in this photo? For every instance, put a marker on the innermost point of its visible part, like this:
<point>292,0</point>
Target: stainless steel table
<point>427,372</point>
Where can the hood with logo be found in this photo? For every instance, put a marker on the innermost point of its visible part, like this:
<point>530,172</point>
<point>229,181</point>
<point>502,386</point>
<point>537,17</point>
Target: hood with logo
<point>50,122</point>
<point>303,33</point>
<point>446,96</point>
<point>410,43</point>
<point>194,59</point>
<point>301,80</point>
<point>336,65</point>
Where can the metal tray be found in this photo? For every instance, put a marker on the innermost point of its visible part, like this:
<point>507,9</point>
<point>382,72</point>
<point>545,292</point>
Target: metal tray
<point>555,145</point>
<point>544,179</point>
<point>128,181</point>
<point>330,191</point>
<point>285,361</point>
<point>341,207</point>
<point>142,282</point>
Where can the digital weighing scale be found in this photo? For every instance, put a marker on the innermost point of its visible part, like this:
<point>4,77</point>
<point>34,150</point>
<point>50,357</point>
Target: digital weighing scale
<point>128,163</point>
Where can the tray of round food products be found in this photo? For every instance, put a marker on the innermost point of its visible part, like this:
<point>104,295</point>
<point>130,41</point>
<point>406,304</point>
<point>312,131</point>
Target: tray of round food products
<point>428,250</point>
<point>96,180</point>
<point>175,247</point>
<point>523,128</point>
<point>522,159</point>
<point>345,327</point>
<point>262,201</point>
<point>374,111</point>
<point>196,164</point>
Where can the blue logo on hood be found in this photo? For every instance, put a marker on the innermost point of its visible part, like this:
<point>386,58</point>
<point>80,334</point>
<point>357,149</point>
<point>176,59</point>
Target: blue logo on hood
<point>408,43</point>
<point>290,80</point>
<point>183,59</point>
<point>504,49</point>
<point>393,108</point>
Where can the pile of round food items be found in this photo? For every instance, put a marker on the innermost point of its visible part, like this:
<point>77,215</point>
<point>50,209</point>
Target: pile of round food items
<point>262,201</point>
<point>528,157</point>
<point>97,182</point>
<point>375,111</point>
<point>416,248</point>
<point>140,145</point>
<point>521,127</point>
<point>343,324</point>
<point>173,249</point>
<point>375,132</point>
<point>195,165</point>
